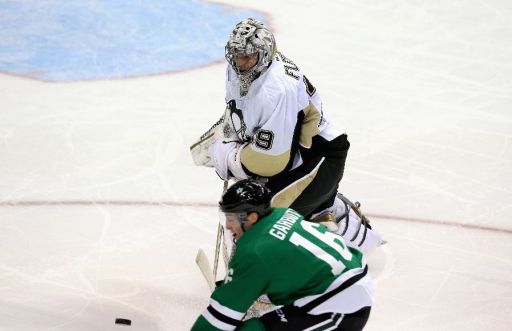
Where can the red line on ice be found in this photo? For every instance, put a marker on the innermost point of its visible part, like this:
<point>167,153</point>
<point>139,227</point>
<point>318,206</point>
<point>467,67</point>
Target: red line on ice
<point>35,203</point>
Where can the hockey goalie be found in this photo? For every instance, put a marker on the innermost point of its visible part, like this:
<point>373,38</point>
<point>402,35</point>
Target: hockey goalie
<point>274,130</point>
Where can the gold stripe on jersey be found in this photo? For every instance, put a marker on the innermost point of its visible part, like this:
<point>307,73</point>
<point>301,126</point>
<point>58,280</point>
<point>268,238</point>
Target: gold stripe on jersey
<point>285,197</point>
<point>263,164</point>
<point>310,124</point>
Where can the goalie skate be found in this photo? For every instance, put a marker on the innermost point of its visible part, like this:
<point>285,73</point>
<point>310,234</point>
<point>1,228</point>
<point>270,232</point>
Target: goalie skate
<point>355,227</point>
<point>346,219</point>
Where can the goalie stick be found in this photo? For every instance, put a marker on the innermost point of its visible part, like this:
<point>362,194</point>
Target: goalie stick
<point>261,305</point>
<point>219,242</point>
<point>202,260</point>
<point>204,265</point>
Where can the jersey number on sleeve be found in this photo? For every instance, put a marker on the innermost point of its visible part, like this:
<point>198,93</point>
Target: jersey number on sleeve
<point>310,89</point>
<point>335,261</point>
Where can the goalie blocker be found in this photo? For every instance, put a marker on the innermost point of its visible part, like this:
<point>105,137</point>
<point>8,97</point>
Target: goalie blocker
<point>229,128</point>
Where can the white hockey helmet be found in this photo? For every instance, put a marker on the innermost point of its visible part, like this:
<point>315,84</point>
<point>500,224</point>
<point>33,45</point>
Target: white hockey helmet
<point>248,37</point>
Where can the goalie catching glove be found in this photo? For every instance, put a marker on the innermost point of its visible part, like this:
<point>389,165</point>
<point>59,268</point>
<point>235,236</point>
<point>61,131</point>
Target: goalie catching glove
<point>220,146</point>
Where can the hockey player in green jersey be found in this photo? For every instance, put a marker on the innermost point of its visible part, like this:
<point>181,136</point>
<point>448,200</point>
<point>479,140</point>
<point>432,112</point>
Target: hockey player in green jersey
<point>317,281</point>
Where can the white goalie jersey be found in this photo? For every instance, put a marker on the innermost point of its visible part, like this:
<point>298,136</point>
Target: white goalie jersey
<point>280,110</point>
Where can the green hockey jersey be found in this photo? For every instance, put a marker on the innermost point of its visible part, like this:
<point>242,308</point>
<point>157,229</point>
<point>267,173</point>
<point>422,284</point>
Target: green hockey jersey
<point>294,262</point>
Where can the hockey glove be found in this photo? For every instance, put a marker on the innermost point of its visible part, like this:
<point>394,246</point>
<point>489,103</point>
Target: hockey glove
<point>229,128</point>
<point>226,160</point>
<point>202,150</point>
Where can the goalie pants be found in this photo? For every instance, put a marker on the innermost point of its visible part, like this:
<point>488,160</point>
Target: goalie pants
<point>291,318</point>
<point>309,191</point>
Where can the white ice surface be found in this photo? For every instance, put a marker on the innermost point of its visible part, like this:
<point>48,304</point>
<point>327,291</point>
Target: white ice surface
<point>103,211</point>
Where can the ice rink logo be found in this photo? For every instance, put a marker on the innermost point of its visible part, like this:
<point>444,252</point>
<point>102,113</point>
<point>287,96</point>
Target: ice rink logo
<point>88,40</point>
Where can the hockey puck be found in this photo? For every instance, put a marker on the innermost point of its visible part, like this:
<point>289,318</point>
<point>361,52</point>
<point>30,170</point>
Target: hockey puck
<point>123,321</point>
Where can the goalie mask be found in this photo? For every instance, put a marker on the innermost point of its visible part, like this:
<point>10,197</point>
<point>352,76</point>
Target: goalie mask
<point>250,37</point>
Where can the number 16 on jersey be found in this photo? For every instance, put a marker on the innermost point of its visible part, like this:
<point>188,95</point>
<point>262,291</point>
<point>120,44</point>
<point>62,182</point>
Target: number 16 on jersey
<point>336,258</point>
